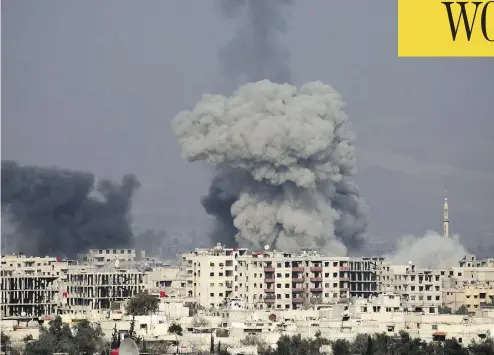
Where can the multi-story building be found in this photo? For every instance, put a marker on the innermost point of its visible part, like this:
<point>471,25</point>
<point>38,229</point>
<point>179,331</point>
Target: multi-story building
<point>29,286</point>
<point>470,284</point>
<point>419,289</point>
<point>272,279</point>
<point>101,257</point>
<point>210,274</point>
<point>87,287</point>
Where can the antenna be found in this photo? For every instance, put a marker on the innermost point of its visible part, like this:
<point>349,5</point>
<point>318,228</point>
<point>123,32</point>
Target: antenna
<point>128,347</point>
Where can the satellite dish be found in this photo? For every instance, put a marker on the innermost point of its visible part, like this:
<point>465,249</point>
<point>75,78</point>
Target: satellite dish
<point>128,347</point>
<point>266,247</point>
<point>272,317</point>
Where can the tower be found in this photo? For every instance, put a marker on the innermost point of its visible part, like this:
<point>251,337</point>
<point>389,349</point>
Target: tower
<point>445,218</point>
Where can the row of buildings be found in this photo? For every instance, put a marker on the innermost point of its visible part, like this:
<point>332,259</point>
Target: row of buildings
<point>42,286</point>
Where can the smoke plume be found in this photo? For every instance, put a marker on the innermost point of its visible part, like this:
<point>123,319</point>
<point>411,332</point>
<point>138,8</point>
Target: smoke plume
<point>240,198</point>
<point>284,157</point>
<point>64,212</point>
<point>430,251</point>
<point>256,51</point>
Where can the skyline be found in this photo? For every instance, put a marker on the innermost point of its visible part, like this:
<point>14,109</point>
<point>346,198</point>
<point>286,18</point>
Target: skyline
<point>101,98</point>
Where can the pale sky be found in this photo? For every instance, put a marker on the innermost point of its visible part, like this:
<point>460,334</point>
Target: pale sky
<point>94,85</point>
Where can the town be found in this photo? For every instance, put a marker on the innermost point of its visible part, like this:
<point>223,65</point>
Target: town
<point>236,294</point>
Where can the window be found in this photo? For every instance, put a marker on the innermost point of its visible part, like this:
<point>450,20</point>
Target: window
<point>211,264</point>
<point>211,294</point>
<point>211,274</point>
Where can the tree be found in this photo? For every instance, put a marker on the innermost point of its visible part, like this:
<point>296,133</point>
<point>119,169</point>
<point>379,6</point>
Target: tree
<point>86,339</point>
<point>463,310</point>
<point>211,347</point>
<point>445,310</point>
<point>115,338</point>
<point>142,304</point>
<point>175,328</point>
<point>4,341</point>
<point>199,322</point>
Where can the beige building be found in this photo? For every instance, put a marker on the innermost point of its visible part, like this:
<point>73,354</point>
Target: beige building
<point>277,280</point>
<point>419,289</point>
<point>29,286</point>
<point>210,274</point>
<point>87,287</point>
<point>470,284</point>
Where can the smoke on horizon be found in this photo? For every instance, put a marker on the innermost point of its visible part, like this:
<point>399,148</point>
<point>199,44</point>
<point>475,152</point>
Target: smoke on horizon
<point>429,251</point>
<point>257,53</point>
<point>62,212</point>
<point>285,157</point>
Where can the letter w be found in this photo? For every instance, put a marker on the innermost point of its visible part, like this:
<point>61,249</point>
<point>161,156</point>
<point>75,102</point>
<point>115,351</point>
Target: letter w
<point>463,13</point>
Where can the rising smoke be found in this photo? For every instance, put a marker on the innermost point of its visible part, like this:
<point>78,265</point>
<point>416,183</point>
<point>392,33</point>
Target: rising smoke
<point>62,212</point>
<point>251,207</point>
<point>430,251</point>
<point>284,157</point>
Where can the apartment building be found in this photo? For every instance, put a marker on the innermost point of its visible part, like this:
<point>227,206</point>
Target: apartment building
<point>166,281</point>
<point>101,257</point>
<point>88,287</point>
<point>470,284</point>
<point>271,279</point>
<point>210,274</point>
<point>29,286</point>
<point>419,289</point>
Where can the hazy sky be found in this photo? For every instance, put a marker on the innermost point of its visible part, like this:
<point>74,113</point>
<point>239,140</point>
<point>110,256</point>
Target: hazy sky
<point>94,85</point>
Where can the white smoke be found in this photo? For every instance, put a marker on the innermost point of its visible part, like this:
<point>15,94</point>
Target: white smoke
<point>298,151</point>
<point>430,251</point>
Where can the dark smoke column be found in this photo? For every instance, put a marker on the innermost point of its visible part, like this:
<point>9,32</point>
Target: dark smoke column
<point>62,212</point>
<point>256,52</point>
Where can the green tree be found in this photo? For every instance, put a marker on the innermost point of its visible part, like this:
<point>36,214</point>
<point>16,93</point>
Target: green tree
<point>59,338</point>
<point>445,310</point>
<point>485,347</point>
<point>115,338</point>
<point>211,347</point>
<point>142,304</point>
<point>4,341</point>
<point>175,328</point>
<point>462,310</point>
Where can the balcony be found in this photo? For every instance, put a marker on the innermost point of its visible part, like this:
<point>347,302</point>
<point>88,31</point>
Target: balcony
<point>298,279</point>
<point>269,300</point>
<point>344,268</point>
<point>269,290</point>
<point>298,300</point>
<point>297,290</point>
<point>269,269</point>
<point>269,281</point>
<point>344,279</point>
<point>297,269</point>
<point>316,289</point>
<point>344,289</point>
<point>316,269</point>
<point>316,279</point>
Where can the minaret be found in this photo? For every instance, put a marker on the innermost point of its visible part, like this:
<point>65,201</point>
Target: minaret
<point>445,218</point>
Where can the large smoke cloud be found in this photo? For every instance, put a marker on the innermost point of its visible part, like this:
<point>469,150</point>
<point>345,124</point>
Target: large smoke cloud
<point>63,212</point>
<point>285,156</point>
<point>255,53</point>
<point>430,251</point>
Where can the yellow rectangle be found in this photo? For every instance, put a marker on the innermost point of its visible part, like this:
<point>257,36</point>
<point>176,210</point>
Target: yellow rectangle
<point>424,28</point>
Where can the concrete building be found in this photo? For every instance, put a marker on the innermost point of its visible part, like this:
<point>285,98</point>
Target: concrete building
<point>87,287</point>
<point>419,289</point>
<point>277,280</point>
<point>210,274</point>
<point>29,286</point>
